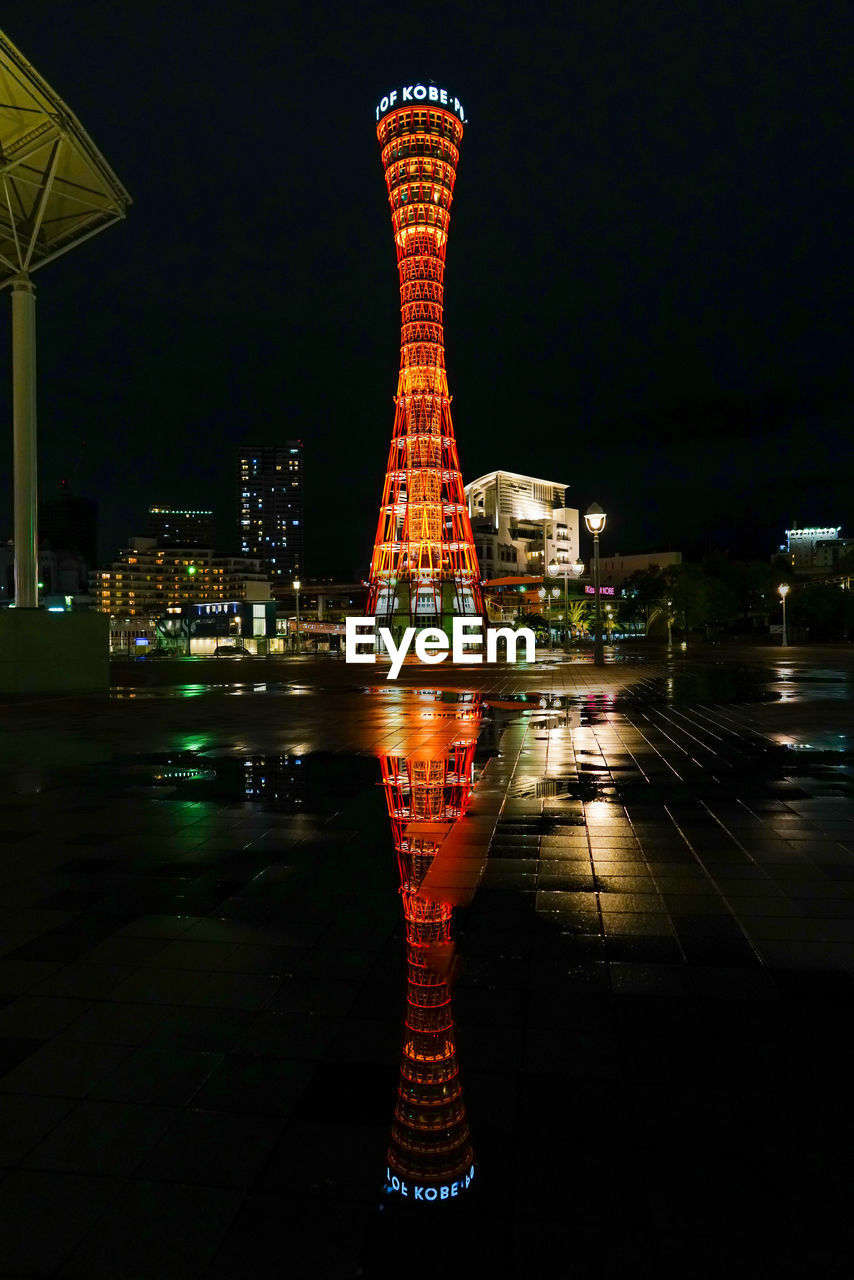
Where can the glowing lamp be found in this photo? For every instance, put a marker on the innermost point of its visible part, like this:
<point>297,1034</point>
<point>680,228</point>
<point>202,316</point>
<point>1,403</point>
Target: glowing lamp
<point>594,518</point>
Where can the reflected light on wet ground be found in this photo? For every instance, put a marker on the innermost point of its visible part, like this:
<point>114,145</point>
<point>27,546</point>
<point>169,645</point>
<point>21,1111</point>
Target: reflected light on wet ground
<point>217,913</point>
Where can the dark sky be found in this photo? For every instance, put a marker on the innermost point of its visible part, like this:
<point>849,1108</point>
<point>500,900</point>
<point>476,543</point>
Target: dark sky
<point>649,268</point>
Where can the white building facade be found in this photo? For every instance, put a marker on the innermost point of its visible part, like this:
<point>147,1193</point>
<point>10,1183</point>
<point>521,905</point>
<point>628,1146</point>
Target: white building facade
<point>615,569</point>
<point>521,524</point>
<point>816,549</point>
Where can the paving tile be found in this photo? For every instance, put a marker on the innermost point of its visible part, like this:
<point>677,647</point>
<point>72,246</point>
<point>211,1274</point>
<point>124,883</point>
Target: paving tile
<point>102,1137</point>
<point>256,1233</point>
<point>191,1221</point>
<point>44,1215</point>
<point>153,1074</point>
<point>213,1148</point>
<point>242,973</point>
<point>63,1068</point>
<point>24,1121</point>
<point>40,1017</point>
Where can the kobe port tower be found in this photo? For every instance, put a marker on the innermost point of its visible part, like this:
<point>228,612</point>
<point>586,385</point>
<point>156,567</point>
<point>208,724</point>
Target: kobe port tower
<point>424,570</point>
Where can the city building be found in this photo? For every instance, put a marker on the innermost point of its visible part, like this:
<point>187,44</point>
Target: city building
<point>270,503</point>
<point>817,549</point>
<point>69,524</point>
<point>615,569</point>
<point>149,580</point>
<point>424,569</point>
<point>176,527</point>
<point>521,524</point>
<point>61,574</point>
<point>238,623</point>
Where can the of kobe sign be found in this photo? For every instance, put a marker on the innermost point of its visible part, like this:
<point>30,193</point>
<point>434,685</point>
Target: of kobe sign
<point>413,93</point>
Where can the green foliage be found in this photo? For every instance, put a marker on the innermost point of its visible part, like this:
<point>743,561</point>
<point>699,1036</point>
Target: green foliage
<point>577,614</point>
<point>719,592</point>
<point>822,610</point>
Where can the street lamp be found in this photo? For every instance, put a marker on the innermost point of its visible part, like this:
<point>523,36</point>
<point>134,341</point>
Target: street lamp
<point>669,625</point>
<point>783,590</point>
<point>594,518</point>
<point>544,595</point>
<point>576,570</point>
<point>297,585</point>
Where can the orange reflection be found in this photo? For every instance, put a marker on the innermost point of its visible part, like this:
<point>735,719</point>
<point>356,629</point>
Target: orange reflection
<point>430,1155</point>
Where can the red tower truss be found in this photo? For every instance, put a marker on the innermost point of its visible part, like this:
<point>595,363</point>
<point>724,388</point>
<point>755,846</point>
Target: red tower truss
<point>430,1154</point>
<point>424,570</point>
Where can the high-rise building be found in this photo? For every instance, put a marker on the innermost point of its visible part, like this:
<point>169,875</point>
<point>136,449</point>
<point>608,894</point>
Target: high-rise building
<point>69,523</point>
<point>270,503</point>
<point>177,527</point>
<point>521,524</point>
<point>424,568</point>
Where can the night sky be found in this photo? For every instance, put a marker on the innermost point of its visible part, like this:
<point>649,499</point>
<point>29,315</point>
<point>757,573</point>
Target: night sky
<point>649,266</point>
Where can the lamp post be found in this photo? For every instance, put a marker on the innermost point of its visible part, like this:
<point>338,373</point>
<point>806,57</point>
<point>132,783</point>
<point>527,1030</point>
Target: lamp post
<point>544,595</point>
<point>297,585</point>
<point>576,569</point>
<point>669,625</point>
<point>783,590</point>
<point>594,518</point>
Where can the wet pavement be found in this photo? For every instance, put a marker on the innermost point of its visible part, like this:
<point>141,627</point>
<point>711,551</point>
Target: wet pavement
<point>284,951</point>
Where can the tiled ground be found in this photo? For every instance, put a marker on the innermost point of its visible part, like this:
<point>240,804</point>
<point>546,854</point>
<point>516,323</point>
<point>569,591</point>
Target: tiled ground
<point>200,999</point>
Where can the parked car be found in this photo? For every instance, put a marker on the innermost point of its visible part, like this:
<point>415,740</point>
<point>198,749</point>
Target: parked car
<point>231,651</point>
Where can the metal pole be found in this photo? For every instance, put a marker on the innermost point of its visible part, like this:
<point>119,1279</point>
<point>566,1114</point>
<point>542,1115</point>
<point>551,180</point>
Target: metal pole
<point>785,640</point>
<point>25,458</point>
<point>298,635</point>
<point>566,611</point>
<point>598,652</point>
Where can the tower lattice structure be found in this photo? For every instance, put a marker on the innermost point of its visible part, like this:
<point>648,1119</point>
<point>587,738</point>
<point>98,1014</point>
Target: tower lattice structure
<point>424,570</point>
<point>430,1153</point>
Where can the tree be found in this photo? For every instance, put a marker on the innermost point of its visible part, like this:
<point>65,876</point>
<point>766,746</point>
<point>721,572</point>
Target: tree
<point>824,610</point>
<point>577,615</point>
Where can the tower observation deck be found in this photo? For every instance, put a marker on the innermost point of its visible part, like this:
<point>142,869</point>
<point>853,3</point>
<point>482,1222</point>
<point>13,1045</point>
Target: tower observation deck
<point>424,570</point>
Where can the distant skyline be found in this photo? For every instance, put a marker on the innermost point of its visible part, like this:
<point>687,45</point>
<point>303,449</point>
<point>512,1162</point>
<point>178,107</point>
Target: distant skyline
<point>648,279</point>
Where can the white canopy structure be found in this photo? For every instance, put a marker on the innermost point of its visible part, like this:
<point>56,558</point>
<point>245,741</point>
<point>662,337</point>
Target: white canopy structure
<point>58,190</point>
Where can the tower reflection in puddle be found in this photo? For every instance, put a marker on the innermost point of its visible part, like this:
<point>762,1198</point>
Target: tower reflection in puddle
<point>430,1157</point>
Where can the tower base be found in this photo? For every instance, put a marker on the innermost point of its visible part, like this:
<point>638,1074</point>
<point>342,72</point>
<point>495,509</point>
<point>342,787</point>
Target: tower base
<point>43,652</point>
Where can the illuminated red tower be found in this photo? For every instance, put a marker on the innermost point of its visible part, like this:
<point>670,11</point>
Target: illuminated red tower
<point>424,570</point>
<point>430,1154</point>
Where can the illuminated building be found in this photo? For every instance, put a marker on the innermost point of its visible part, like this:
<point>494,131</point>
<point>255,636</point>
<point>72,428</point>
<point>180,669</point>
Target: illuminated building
<point>430,1154</point>
<point>424,569</point>
<point>147,579</point>
<point>175,527</point>
<point>817,549</point>
<point>270,506</point>
<point>512,515</point>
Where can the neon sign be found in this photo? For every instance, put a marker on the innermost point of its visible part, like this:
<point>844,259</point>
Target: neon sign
<point>442,1191</point>
<point>603,591</point>
<point>413,93</point>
